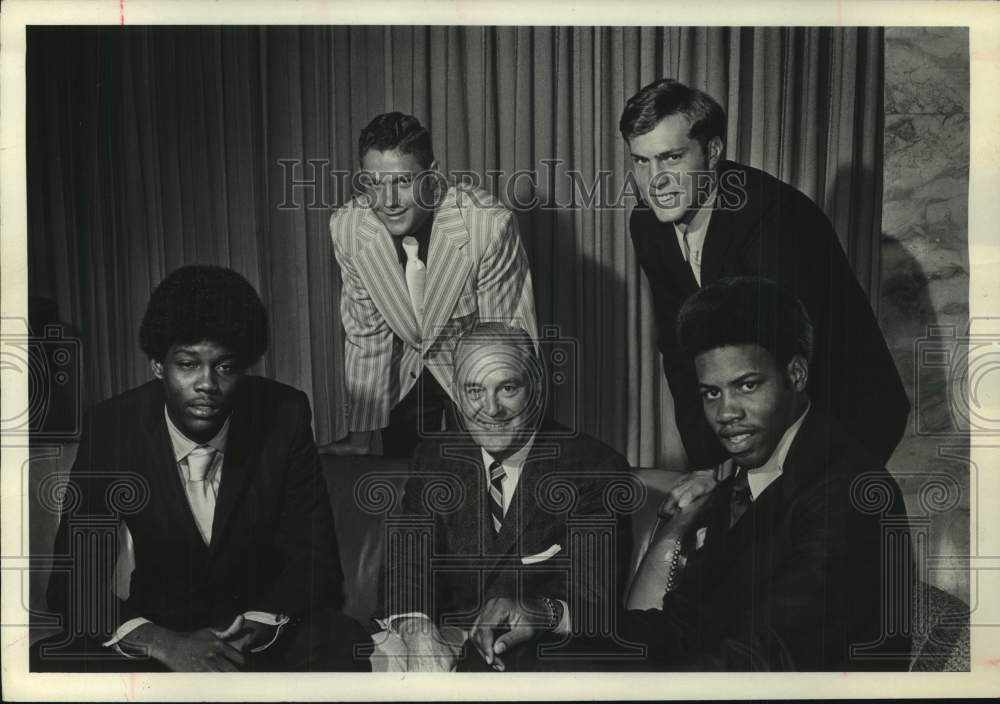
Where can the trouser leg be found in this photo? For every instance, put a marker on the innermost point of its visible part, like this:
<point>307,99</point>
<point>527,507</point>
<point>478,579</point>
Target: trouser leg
<point>418,415</point>
<point>324,641</point>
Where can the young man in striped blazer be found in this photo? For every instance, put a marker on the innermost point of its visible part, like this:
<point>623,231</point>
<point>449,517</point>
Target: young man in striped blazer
<point>420,262</point>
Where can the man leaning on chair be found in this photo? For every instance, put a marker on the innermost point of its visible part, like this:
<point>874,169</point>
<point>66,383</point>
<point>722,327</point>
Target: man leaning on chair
<point>790,559</point>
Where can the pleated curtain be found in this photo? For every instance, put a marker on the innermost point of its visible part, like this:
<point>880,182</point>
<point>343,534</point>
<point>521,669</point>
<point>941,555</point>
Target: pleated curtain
<point>154,147</point>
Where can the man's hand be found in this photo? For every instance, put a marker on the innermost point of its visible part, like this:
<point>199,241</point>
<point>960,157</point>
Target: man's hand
<point>356,443</point>
<point>526,621</point>
<point>695,484</point>
<point>427,650</point>
<point>245,634</point>
<point>196,651</point>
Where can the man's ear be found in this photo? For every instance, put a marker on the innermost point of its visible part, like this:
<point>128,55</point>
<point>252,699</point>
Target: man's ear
<point>798,372</point>
<point>157,368</point>
<point>714,148</point>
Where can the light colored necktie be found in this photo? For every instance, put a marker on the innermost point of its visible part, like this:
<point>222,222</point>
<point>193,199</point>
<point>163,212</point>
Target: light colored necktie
<point>685,245</point>
<point>416,276</point>
<point>497,474</point>
<point>692,257</point>
<point>200,493</point>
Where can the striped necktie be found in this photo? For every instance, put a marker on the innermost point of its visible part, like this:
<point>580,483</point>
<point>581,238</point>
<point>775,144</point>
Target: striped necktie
<point>740,499</point>
<point>497,475</point>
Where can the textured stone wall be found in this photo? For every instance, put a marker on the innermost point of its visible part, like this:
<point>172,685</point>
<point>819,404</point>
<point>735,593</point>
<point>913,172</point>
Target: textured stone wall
<point>925,277</point>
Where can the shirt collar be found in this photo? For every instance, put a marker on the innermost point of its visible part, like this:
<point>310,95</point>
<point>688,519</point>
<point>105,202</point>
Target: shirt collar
<point>761,477</point>
<point>698,224</point>
<point>183,445</point>
<point>423,238</point>
<point>515,461</point>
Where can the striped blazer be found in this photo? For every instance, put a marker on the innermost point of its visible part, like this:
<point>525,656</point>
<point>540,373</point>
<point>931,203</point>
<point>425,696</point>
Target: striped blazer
<point>476,271</point>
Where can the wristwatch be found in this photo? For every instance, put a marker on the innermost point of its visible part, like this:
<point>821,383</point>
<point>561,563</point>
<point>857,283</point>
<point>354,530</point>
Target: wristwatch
<point>555,609</point>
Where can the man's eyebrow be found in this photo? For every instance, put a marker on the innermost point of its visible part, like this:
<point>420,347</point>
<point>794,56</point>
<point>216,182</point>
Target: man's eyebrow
<point>516,380</point>
<point>665,152</point>
<point>391,175</point>
<point>738,380</point>
<point>671,152</point>
<point>513,380</point>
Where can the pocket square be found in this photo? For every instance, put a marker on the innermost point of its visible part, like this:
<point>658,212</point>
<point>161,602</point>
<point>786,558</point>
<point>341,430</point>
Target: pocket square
<point>542,556</point>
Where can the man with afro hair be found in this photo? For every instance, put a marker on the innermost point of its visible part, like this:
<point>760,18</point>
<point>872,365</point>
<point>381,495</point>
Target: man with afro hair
<point>228,522</point>
<point>798,559</point>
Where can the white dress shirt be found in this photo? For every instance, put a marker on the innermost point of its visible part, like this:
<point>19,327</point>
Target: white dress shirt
<point>696,230</point>
<point>182,446</point>
<point>761,477</point>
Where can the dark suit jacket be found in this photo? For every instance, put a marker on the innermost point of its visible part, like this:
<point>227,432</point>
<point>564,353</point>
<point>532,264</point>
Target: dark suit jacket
<point>778,233</point>
<point>799,578</point>
<point>273,543</point>
<point>567,486</point>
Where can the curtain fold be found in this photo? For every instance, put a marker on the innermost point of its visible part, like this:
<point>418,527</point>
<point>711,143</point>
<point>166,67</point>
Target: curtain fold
<point>154,147</point>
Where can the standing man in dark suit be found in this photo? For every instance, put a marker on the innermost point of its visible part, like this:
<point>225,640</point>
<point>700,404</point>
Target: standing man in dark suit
<point>703,218</point>
<point>225,511</point>
<point>505,571</point>
<point>420,262</point>
<point>802,559</point>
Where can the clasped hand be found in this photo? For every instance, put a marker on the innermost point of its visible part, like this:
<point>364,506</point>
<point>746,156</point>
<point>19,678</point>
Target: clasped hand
<point>207,649</point>
<point>526,621</point>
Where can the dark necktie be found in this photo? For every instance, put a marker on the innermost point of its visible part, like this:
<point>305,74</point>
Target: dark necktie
<point>497,475</point>
<point>740,499</point>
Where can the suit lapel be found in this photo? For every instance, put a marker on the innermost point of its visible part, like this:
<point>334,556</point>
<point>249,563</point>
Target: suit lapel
<point>449,237</point>
<point>671,258</point>
<point>467,524</point>
<point>717,242</point>
<point>721,228</point>
<point>524,502</point>
<point>161,468</point>
<point>242,447</point>
<point>726,548</point>
<point>379,269</point>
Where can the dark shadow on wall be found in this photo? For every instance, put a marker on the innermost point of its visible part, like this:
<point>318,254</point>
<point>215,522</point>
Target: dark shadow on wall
<point>580,306</point>
<point>931,463</point>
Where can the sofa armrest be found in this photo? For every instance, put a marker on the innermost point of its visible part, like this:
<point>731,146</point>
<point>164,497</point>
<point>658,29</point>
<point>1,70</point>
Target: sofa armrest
<point>663,557</point>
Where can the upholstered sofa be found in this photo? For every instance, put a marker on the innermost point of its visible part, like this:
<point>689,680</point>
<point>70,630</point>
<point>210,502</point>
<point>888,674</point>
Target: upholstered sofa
<point>363,489</point>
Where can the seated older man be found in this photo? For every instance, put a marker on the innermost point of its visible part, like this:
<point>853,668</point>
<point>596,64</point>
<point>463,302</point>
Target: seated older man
<point>517,509</point>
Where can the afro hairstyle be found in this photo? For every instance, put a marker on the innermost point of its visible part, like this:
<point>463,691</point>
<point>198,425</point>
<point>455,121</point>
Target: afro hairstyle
<point>745,310</point>
<point>202,302</point>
